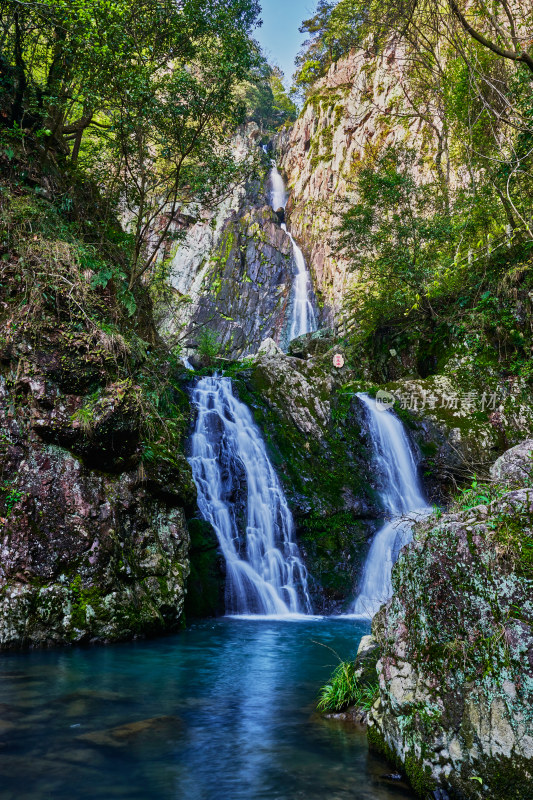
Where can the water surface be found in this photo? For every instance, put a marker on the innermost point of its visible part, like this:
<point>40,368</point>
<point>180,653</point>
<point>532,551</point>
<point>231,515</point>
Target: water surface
<point>221,711</point>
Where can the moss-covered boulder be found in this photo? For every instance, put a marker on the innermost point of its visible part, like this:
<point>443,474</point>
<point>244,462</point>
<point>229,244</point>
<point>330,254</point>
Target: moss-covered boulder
<point>456,639</point>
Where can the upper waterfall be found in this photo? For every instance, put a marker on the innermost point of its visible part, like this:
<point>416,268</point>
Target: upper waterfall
<point>403,502</point>
<point>278,193</point>
<point>265,574</point>
<point>303,317</point>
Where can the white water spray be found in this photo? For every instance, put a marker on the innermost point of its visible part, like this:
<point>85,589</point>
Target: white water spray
<point>303,312</point>
<point>403,500</point>
<point>303,318</point>
<point>278,193</point>
<point>265,574</point>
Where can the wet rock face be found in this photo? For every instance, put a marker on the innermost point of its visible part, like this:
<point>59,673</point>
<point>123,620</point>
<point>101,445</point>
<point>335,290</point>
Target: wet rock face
<point>246,291</point>
<point>93,546</point>
<point>456,665</point>
<point>320,450</point>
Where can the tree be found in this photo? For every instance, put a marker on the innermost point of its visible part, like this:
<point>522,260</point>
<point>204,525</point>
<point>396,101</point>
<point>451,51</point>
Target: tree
<point>394,235</point>
<point>140,93</point>
<point>334,29</point>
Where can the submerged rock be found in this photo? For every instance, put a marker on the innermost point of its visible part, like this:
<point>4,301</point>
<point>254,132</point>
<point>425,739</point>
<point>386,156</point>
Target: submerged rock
<point>132,732</point>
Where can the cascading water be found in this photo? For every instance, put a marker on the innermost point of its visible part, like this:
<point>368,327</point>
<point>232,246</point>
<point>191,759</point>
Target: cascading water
<point>265,574</point>
<point>403,500</point>
<point>303,318</point>
<point>278,193</point>
<point>303,312</point>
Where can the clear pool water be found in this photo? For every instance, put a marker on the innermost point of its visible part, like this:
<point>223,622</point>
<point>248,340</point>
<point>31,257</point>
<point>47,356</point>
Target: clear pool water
<point>221,711</point>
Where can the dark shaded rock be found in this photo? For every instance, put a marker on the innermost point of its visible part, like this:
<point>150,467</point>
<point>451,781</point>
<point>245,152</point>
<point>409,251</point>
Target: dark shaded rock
<point>312,344</point>
<point>206,581</point>
<point>246,292</point>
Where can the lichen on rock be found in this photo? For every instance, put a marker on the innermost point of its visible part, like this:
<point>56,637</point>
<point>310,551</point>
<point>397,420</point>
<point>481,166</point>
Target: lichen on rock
<point>456,664</point>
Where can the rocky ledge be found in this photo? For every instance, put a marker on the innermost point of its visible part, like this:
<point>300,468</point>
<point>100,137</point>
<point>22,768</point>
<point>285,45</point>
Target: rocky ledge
<point>93,539</point>
<point>455,707</point>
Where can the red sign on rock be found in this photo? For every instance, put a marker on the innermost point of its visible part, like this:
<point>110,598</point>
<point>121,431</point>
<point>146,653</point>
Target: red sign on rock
<point>338,360</point>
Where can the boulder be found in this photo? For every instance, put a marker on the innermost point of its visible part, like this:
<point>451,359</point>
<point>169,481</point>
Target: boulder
<point>312,344</point>
<point>515,466</point>
<point>268,347</point>
<point>456,662</point>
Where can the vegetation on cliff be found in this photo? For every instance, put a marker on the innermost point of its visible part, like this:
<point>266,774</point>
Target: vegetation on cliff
<point>439,237</point>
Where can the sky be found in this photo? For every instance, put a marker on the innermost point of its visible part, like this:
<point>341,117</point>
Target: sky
<point>279,35</point>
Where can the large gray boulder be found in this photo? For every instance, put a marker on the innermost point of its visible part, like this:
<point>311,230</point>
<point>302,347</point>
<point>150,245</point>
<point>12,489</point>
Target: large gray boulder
<point>515,466</point>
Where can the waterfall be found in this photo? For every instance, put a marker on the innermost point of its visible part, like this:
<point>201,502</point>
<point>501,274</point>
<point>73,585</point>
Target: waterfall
<point>264,574</point>
<point>278,193</point>
<point>303,313</point>
<point>303,318</point>
<point>403,501</point>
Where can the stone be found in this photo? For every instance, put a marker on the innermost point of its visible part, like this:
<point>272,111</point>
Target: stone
<point>456,683</point>
<point>268,347</point>
<point>127,734</point>
<point>515,466</point>
<point>366,660</point>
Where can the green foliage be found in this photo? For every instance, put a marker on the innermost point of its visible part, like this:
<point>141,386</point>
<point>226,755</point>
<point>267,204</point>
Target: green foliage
<point>393,234</point>
<point>343,690</point>
<point>12,496</point>
<point>208,344</point>
<point>334,29</point>
<point>267,102</point>
<point>139,96</point>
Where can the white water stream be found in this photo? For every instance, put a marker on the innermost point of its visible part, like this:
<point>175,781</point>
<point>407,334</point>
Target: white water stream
<point>403,501</point>
<point>303,319</point>
<point>265,574</point>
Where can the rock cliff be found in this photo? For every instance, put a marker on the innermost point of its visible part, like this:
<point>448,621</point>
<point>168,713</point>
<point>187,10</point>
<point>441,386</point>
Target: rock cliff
<point>358,108</point>
<point>233,273</point>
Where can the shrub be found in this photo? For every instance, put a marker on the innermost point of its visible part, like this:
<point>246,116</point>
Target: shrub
<point>344,690</point>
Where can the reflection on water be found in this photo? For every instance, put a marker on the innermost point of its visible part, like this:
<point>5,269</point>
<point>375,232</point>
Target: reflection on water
<point>223,711</point>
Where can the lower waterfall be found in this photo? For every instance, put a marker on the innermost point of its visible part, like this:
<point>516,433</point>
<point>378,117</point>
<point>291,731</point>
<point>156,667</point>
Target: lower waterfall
<point>403,501</point>
<point>264,572</point>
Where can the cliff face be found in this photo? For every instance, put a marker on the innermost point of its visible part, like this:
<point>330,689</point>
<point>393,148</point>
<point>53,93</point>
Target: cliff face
<point>244,295</point>
<point>90,548</point>
<point>456,666</point>
<point>356,109</point>
<point>233,273</point>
